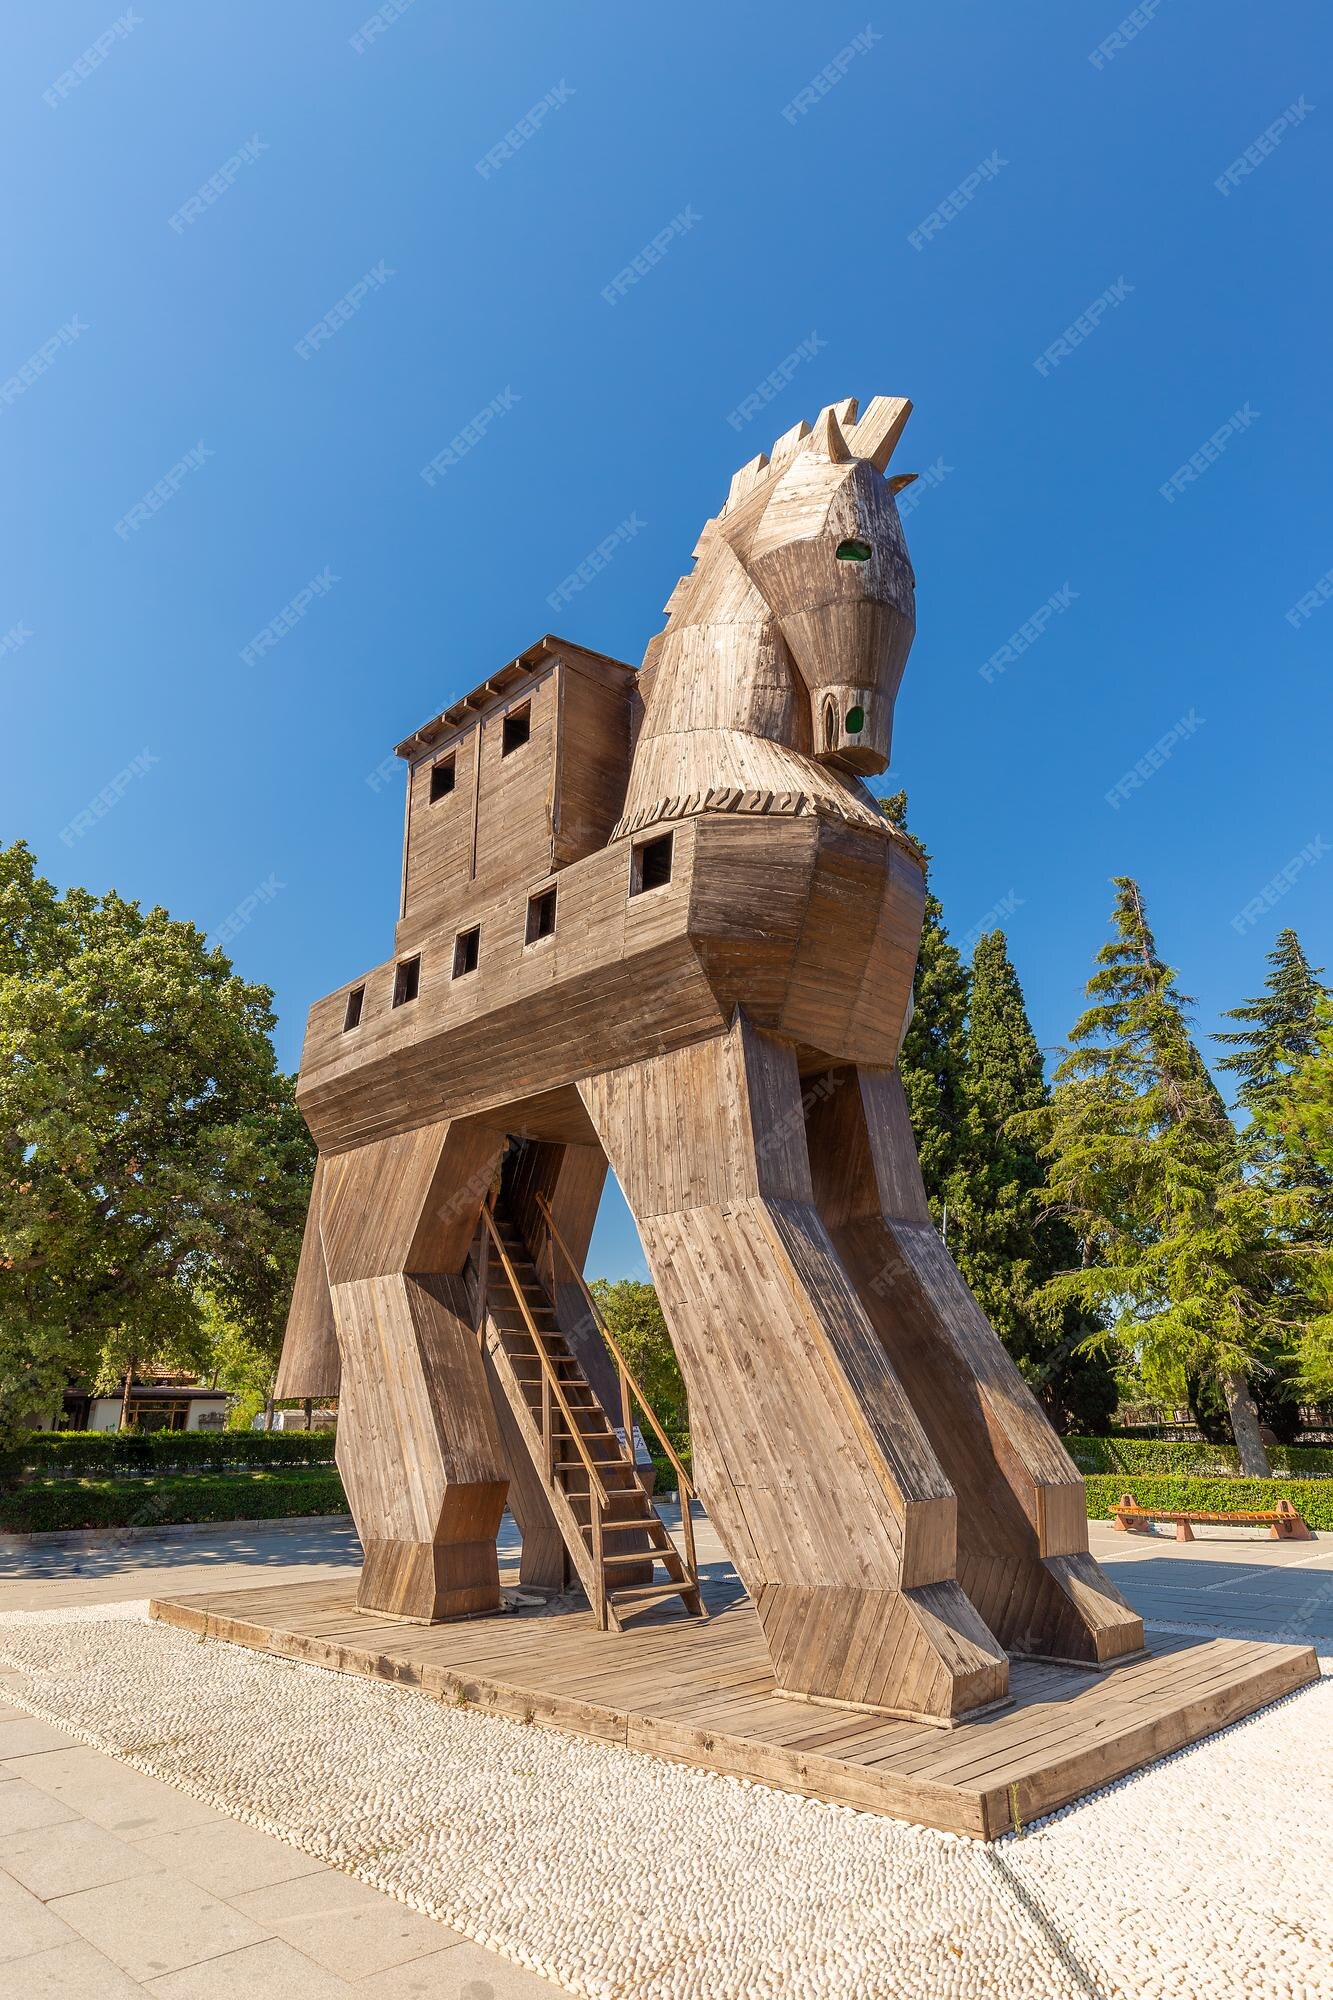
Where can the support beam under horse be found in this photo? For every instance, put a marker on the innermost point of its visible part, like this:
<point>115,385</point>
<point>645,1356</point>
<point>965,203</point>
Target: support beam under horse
<point>659,920</point>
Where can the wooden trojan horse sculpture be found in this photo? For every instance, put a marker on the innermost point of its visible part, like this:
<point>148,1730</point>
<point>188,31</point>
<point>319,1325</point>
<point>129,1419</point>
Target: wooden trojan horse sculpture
<point>659,920</point>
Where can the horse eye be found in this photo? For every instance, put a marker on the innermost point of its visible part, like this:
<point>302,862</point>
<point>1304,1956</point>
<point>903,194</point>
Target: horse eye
<point>856,721</point>
<point>854,552</point>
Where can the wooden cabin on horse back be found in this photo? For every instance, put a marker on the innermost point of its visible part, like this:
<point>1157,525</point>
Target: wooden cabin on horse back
<point>658,921</point>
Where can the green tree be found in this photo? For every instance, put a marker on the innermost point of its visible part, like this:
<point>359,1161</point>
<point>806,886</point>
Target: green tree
<point>1280,1030</point>
<point>1010,1250</point>
<point>630,1308</point>
<point>1297,1115</point>
<point>148,1144</point>
<point>1183,1249</point>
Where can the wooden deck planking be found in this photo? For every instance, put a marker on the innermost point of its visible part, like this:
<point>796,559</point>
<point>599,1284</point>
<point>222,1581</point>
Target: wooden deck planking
<point>702,1694</point>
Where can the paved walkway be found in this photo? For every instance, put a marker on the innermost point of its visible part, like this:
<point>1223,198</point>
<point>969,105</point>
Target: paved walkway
<point>113,1884</point>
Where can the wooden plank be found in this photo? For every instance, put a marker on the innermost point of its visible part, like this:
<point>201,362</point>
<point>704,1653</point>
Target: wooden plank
<point>704,1695</point>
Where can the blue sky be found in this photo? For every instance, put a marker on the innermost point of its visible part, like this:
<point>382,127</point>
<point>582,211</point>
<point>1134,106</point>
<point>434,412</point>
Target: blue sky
<point>918,204</point>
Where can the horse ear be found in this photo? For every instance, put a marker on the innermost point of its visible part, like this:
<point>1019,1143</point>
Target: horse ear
<point>876,436</point>
<point>827,440</point>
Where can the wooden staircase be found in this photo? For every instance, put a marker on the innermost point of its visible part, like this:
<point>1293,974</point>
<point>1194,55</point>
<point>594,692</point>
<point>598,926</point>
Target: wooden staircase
<point>617,1540</point>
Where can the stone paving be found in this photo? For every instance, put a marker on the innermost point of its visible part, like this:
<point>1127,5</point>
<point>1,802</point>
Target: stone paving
<point>115,1883</point>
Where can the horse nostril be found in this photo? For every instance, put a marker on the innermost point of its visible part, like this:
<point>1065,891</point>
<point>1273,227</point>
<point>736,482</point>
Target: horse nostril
<point>830,726</point>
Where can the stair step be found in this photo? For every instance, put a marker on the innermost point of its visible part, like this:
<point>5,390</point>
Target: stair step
<point>631,1557</point>
<point>647,1593</point>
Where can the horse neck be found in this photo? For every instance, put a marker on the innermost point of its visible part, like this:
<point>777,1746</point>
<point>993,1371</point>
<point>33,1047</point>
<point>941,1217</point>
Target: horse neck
<point>721,663</point>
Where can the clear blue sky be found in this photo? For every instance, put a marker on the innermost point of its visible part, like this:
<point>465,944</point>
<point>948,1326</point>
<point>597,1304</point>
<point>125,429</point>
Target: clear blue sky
<point>1099,179</point>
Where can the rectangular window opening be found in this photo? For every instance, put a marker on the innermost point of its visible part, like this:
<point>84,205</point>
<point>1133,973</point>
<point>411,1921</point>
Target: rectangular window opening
<point>442,778</point>
<point>516,729</point>
<point>650,866</point>
<point>407,980</point>
<point>352,1018</point>
<point>467,950</point>
<point>541,916</point>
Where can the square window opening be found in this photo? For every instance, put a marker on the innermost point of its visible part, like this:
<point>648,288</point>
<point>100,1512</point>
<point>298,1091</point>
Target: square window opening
<point>407,980</point>
<point>355,1001</point>
<point>650,867</point>
<point>541,916</point>
<point>442,778</point>
<point>467,951</point>
<point>516,730</point>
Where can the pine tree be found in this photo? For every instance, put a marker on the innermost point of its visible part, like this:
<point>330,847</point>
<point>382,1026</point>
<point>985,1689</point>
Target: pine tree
<point>1296,1116</point>
<point>1145,1166</point>
<point>1010,1251</point>
<point>1281,1026</point>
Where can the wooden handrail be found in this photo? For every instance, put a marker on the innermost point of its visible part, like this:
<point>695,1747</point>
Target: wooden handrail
<point>629,1381</point>
<point>550,1380</point>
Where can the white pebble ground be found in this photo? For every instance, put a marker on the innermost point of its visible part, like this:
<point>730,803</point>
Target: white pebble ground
<point>618,1875</point>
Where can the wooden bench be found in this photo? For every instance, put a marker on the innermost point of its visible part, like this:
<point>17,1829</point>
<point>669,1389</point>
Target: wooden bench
<point>1284,1524</point>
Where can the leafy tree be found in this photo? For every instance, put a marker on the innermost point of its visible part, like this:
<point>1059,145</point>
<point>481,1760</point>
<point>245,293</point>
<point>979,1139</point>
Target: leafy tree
<point>631,1310</point>
<point>148,1144</point>
<point>1183,1249</point>
<point>1010,1250</point>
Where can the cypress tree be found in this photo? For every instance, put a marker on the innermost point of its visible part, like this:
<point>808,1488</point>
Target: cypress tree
<point>1011,1251</point>
<point>1144,1164</point>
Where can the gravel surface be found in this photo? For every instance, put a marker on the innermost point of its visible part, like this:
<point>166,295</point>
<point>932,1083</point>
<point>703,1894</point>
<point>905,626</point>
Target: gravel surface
<point>617,1874</point>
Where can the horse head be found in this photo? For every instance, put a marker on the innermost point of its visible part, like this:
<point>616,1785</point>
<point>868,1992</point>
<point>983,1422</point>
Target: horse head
<point>817,530</point>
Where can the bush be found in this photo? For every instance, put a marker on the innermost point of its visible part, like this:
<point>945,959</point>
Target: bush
<point>1158,1455</point>
<point>74,1454</point>
<point>1312,1498</point>
<point>158,1502</point>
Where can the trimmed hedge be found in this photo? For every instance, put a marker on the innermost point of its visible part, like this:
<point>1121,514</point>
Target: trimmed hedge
<point>154,1502</point>
<point>77,1454</point>
<point>1158,1455</point>
<point>1312,1498</point>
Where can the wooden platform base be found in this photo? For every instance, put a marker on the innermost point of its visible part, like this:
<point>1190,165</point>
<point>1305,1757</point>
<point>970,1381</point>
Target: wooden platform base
<point>702,1694</point>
